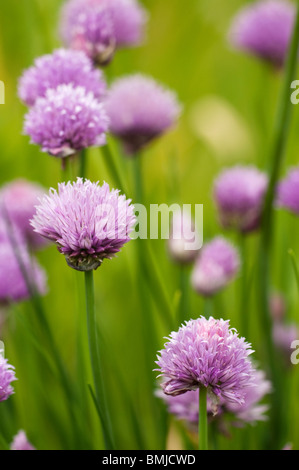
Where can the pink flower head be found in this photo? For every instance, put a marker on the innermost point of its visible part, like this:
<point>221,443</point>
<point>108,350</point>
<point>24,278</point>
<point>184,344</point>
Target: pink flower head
<point>217,265</point>
<point>67,121</point>
<point>184,242</point>
<point>99,27</point>
<point>264,29</point>
<point>88,222</point>
<point>239,193</point>
<point>140,110</point>
<point>19,198</point>
<point>62,67</point>
<point>207,353</point>
<point>20,442</point>
<point>7,376</point>
<point>287,192</point>
<point>20,273</point>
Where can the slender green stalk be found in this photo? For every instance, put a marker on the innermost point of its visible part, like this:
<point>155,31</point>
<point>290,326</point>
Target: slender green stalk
<point>3,444</point>
<point>244,314</point>
<point>184,300</point>
<point>208,306</point>
<point>83,163</point>
<point>281,131</point>
<point>295,266</point>
<point>203,420</point>
<point>112,167</point>
<point>137,162</point>
<point>95,359</point>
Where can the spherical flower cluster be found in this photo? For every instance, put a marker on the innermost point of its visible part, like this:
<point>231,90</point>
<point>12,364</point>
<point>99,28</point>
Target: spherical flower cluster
<point>284,335</point>
<point>7,376</point>
<point>20,442</point>
<point>207,353</point>
<point>264,29</point>
<point>99,27</point>
<point>184,240</point>
<point>19,198</point>
<point>218,263</point>
<point>88,222</point>
<point>66,121</point>
<point>140,110</point>
<point>239,193</point>
<point>252,410</point>
<point>185,407</point>
<point>20,274</point>
<point>62,67</point>
<point>287,192</point>
<point>277,306</point>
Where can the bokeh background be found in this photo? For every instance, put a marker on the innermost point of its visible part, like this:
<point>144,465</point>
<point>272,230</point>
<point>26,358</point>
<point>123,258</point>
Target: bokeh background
<point>229,101</point>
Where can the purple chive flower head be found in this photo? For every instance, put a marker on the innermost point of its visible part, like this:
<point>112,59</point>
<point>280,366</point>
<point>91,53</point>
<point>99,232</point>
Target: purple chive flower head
<point>140,110</point>
<point>252,410</point>
<point>88,222</point>
<point>287,192</point>
<point>264,29</point>
<point>62,67</point>
<point>20,274</point>
<point>20,442</point>
<point>99,27</point>
<point>278,306</point>
<point>7,376</point>
<point>207,353</point>
<point>239,193</point>
<point>184,240</point>
<point>284,335</point>
<point>185,407</point>
<point>218,263</point>
<point>19,198</point>
<point>66,121</point>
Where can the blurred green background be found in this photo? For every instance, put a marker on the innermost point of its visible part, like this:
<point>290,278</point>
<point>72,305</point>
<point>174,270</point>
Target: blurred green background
<point>229,101</point>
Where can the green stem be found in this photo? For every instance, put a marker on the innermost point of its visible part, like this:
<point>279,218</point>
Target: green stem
<point>95,359</point>
<point>113,169</point>
<point>184,301</point>
<point>281,131</point>
<point>244,290</point>
<point>83,163</point>
<point>137,162</point>
<point>295,266</point>
<point>208,306</point>
<point>203,420</point>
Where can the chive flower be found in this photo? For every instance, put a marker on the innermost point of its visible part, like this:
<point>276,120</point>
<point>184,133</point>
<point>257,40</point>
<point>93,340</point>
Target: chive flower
<point>183,243</point>
<point>207,353</point>
<point>100,27</point>
<point>140,110</point>
<point>19,198</point>
<point>264,29</point>
<point>7,376</point>
<point>239,194</point>
<point>20,442</point>
<point>287,192</point>
<point>66,121</point>
<point>62,67</point>
<point>20,273</point>
<point>217,264</point>
<point>88,222</point>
